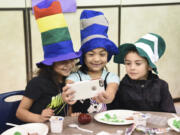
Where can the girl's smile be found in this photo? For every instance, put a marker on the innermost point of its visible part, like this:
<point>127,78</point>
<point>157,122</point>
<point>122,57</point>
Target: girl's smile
<point>96,59</point>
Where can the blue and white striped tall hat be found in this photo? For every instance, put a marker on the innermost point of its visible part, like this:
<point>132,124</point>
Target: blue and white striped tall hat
<point>151,46</point>
<point>94,28</point>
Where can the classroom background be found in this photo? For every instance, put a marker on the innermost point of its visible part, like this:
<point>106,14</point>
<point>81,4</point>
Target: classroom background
<point>21,47</point>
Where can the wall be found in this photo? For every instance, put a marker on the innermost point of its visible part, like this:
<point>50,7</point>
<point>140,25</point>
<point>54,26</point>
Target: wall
<point>12,51</point>
<point>128,20</point>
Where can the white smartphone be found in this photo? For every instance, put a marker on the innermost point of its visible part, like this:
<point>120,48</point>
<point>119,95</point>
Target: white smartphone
<point>86,89</point>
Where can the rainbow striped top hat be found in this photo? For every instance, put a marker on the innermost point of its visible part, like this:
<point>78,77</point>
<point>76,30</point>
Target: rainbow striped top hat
<point>56,40</point>
<point>94,28</point>
<point>151,46</point>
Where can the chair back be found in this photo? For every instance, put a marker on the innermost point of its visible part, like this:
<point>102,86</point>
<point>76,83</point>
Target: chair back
<point>8,109</point>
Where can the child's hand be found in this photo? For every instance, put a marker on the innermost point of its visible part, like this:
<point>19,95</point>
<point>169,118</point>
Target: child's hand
<point>67,95</point>
<point>46,114</point>
<point>102,97</point>
<point>107,96</point>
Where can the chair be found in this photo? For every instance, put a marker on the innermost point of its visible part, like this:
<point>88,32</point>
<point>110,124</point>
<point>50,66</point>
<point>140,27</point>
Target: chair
<point>8,109</point>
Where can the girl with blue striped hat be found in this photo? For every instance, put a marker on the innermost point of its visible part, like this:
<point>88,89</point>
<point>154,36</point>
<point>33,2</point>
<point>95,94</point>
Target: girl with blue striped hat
<point>141,89</point>
<point>42,98</point>
<point>97,50</point>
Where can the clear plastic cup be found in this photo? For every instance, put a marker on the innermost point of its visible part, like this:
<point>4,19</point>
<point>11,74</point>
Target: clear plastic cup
<point>56,124</point>
<point>139,120</point>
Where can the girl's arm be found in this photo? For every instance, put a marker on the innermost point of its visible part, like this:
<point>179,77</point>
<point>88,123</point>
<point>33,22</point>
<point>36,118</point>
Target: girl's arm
<point>25,115</point>
<point>108,95</point>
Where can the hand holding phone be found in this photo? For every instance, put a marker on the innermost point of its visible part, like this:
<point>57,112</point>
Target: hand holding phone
<point>86,89</point>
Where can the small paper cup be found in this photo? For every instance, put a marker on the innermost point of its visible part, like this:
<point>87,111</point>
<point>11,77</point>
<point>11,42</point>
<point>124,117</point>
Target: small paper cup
<point>56,124</point>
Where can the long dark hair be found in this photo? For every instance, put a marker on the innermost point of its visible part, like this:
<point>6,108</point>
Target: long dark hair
<point>84,68</point>
<point>48,72</point>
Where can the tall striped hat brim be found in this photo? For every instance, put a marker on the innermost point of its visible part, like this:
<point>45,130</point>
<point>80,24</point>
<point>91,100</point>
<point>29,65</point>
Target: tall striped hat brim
<point>63,57</point>
<point>63,53</point>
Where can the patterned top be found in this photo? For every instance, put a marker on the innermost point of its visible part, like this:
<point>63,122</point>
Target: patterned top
<point>89,105</point>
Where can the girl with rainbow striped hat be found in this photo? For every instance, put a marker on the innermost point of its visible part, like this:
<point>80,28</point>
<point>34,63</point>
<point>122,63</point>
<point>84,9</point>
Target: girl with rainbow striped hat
<point>42,98</point>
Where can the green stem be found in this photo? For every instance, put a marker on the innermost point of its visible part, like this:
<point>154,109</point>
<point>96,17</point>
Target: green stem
<point>61,108</point>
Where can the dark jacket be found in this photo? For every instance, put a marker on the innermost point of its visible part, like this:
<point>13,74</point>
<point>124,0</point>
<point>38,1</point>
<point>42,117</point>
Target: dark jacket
<point>144,95</point>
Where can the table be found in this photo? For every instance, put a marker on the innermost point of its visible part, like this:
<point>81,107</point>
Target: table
<point>157,119</point>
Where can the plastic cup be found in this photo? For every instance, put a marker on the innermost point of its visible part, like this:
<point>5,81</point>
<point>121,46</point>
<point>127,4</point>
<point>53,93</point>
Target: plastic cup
<point>56,124</point>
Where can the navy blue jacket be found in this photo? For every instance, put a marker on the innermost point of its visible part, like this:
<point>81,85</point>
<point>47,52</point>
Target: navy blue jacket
<point>144,95</point>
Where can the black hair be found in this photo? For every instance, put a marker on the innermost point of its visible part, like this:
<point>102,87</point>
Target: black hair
<point>83,69</point>
<point>133,49</point>
<point>48,72</point>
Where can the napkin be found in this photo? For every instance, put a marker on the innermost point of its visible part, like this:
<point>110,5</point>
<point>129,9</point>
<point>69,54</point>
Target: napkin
<point>161,120</point>
<point>118,132</point>
<point>103,133</point>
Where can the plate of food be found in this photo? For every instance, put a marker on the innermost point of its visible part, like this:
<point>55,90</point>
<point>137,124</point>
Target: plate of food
<point>28,129</point>
<point>116,117</point>
<point>174,123</point>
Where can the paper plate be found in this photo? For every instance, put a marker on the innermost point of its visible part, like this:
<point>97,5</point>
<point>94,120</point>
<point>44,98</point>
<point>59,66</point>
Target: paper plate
<point>39,128</point>
<point>170,123</point>
<point>115,117</point>
<point>13,130</point>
